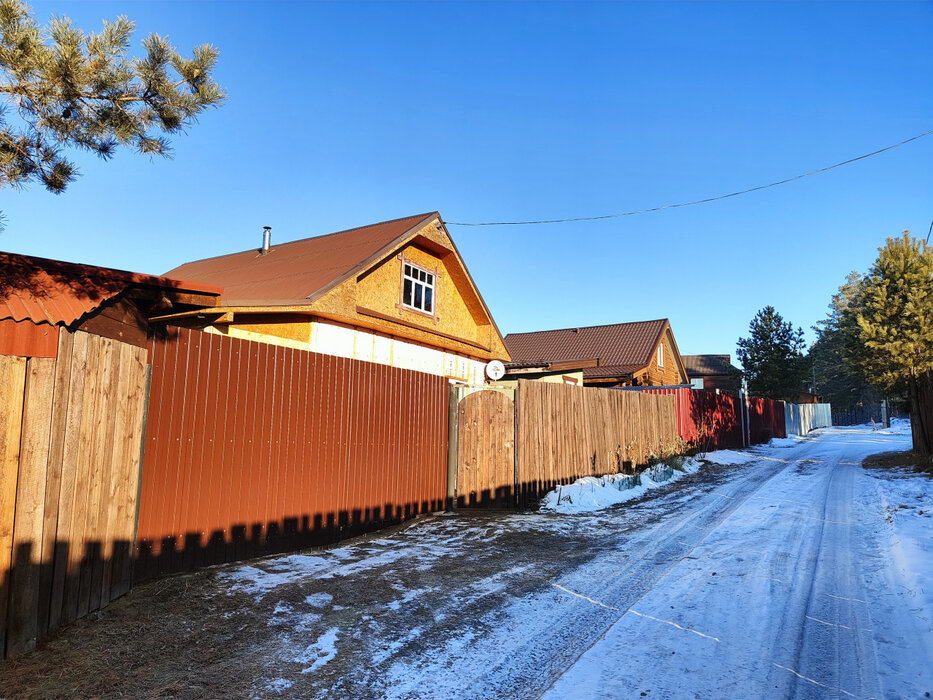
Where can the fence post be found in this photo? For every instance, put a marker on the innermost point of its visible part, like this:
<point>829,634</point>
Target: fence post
<point>453,438</point>
<point>517,499</point>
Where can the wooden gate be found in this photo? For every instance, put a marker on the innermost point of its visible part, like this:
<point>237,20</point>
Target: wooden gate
<point>486,453</point>
<point>514,445</point>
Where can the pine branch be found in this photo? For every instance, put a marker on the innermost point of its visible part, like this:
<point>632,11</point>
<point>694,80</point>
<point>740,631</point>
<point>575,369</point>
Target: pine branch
<point>72,89</point>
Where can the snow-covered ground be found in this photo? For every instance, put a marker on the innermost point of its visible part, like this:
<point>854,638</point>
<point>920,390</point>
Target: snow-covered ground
<point>784,571</point>
<point>597,492</point>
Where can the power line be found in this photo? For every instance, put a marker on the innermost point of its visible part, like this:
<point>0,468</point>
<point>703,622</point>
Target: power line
<point>697,201</point>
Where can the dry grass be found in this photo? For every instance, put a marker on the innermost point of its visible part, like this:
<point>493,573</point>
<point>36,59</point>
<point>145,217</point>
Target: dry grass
<point>181,637</point>
<point>908,459</point>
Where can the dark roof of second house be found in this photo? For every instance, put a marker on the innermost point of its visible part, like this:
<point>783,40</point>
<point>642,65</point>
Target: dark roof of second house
<point>708,364</point>
<point>621,348</point>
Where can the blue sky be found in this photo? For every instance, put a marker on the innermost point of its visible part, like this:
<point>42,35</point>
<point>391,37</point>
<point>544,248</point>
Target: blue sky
<point>345,114</point>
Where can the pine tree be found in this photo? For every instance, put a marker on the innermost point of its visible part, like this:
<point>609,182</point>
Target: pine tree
<point>62,88</point>
<point>832,376</point>
<point>772,356</point>
<point>889,327</point>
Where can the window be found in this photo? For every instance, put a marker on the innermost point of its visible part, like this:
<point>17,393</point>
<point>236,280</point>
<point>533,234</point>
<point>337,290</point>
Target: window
<point>660,354</point>
<point>418,289</point>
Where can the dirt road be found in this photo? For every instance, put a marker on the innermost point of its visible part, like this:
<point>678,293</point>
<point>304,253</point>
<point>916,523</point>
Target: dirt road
<point>799,574</point>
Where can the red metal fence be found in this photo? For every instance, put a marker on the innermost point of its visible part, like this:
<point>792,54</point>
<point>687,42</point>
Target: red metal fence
<point>766,420</point>
<point>254,449</point>
<point>713,421</point>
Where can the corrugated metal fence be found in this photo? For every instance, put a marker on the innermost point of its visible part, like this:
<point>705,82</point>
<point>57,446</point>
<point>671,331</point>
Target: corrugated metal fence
<point>254,448</point>
<point>709,420</point>
<point>714,421</point>
<point>800,419</point>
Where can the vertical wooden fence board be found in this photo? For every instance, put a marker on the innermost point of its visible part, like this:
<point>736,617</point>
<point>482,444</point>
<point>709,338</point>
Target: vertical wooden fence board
<point>13,382</point>
<point>84,456</point>
<point>66,532</point>
<point>133,439</point>
<point>115,485</point>
<point>54,474</point>
<point>103,455</point>
<point>23,613</point>
<point>290,480</point>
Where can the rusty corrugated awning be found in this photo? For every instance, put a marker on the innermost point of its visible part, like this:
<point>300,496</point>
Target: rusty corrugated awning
<point>57,292</point>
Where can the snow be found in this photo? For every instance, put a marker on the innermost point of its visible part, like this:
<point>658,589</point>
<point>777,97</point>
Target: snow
<point>819,585</point>
<point>596,492</point>
<point>279,685</point>
<point>791,441</point>
<point>797,573</point>
<point>319,653</point>
<point>727,458</point>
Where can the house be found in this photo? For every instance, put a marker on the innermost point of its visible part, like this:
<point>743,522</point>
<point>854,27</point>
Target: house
<point>396,293</point>
<point>713,372</point>
<point>643,353</point>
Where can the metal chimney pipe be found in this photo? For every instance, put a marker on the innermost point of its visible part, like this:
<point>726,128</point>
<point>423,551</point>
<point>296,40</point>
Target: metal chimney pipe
<point>266,239</point>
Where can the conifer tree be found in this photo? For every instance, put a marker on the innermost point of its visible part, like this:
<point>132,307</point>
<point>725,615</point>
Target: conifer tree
<point>62,88</point>
<point>833,378</point>
<point>889,328</point>
<point>772,357</point>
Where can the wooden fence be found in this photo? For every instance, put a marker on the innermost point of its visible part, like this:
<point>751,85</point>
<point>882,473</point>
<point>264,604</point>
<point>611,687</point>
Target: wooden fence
<point>561,433</point>
<point>255,448</point>
<point>486,448</point>
<point>70,434</point>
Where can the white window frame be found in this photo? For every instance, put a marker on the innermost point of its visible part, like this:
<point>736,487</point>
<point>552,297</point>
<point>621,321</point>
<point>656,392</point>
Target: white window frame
<point>415,277</point>
<point>661,355</point>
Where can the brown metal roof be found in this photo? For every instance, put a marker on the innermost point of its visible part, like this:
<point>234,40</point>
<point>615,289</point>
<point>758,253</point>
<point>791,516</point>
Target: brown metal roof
<point>611,371</point>
<point>622,348</point>
<point>298,270</point>
<point>54,291</point>
<point>708,364</point>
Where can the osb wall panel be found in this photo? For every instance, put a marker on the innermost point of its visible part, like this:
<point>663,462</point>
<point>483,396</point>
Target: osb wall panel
<point>288,326</point>
<point>459,311</point>
<point>254,448</point>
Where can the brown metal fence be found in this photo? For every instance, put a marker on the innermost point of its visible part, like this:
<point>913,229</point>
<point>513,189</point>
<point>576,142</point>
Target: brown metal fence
<point>70,432</point>
<point>254,448</point>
